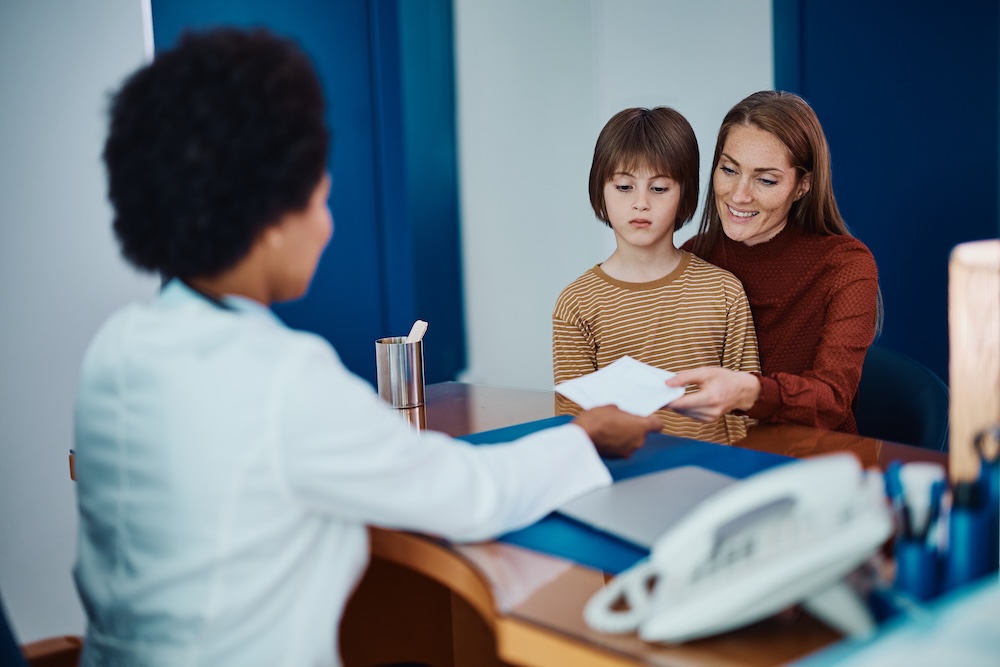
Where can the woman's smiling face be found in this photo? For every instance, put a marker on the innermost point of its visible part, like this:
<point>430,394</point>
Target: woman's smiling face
<point>755,185</point>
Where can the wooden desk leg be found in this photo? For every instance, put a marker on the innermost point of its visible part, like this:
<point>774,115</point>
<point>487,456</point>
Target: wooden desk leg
<point>398,616</point>
<point>473,640</point>
<point>395,616</point>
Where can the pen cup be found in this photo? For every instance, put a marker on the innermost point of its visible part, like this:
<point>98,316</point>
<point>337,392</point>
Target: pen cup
<point>968,536</point>
<point>917,569</point>
<point>415,418</point>
<point>400,371</point>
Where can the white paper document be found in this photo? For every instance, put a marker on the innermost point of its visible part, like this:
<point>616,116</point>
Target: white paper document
<point>633,386</point>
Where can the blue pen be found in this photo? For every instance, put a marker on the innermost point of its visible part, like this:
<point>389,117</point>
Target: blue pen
<point>892,485</point>
<point>989,477</point>
<point>918,481</point>
<point>894,489</point>
<point>936,496</point>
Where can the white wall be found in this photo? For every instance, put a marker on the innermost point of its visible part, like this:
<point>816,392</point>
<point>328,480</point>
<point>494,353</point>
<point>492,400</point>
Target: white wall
<point>60,276</point>
<point>536,81</point>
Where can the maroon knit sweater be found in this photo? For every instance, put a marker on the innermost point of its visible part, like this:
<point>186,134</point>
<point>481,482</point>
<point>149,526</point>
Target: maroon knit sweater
<point>814,303</point>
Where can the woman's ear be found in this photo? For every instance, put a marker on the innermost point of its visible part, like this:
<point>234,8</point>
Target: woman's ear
<point>805,184</point>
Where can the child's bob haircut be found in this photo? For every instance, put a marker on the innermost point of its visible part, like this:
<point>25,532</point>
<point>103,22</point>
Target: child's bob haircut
<point>659,139</point>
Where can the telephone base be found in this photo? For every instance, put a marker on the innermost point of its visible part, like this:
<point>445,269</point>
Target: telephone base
<point>840,607</point>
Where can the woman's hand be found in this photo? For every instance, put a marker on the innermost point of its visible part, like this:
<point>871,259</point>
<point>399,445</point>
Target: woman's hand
<point>719,392</point>
<point>616,434</point>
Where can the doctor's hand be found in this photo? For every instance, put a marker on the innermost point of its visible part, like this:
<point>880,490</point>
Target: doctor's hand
<point>719,392</point>
<point>616,434</point>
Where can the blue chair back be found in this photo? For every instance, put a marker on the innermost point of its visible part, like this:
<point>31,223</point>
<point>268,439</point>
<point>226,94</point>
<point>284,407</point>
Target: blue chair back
<point>901,400</point>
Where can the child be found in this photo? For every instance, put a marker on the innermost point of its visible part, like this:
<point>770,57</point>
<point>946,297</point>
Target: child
<point>650,300</point>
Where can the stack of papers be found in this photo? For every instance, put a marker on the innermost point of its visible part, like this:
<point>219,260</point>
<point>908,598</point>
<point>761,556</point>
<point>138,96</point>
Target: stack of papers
<point>631,385</point>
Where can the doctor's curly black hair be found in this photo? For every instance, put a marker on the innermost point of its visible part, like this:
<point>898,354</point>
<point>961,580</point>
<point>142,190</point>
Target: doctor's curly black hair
<point>210,144</point>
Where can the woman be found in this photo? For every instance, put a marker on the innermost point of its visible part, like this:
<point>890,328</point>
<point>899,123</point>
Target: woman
<point>227,466</point>
<point>771,219</point>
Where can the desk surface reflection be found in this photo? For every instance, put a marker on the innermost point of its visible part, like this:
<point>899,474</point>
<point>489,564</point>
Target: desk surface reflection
<point>495,604</point>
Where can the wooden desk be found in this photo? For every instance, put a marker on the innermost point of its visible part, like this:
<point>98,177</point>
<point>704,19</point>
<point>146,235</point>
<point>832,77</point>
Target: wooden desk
<point>496,604</point>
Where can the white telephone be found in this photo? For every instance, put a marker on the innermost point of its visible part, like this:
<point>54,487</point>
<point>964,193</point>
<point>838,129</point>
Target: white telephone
<point>784,536</point>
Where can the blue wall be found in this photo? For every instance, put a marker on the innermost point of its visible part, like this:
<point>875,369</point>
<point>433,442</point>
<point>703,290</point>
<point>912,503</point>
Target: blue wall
<point>908,96</point>
<point>394,255</point>
<point>415,108</point>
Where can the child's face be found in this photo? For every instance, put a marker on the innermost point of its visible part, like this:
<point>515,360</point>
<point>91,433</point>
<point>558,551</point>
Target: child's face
<point>642,207</point>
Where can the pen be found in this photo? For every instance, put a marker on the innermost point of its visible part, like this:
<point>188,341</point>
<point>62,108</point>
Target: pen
<point>894,489</point>
<point>918,484</point>
<point>892,484</point>
<point>936,495</point>
<point>989,474</point>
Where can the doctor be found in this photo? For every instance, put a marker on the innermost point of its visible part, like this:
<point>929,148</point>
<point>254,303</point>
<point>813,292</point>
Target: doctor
<point>227,466</point>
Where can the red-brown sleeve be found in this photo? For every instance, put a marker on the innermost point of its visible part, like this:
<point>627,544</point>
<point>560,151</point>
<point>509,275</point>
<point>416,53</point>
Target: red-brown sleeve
<point>822,395</point>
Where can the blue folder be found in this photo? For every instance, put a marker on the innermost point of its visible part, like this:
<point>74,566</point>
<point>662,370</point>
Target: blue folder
<point>561,536</point>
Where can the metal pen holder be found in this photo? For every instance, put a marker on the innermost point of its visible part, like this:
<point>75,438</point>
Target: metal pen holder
<point>400,371</point>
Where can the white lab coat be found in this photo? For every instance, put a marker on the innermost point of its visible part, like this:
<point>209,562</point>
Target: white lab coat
<point>227,467</point>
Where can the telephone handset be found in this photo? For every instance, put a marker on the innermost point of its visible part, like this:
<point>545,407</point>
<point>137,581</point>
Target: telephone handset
<point>784,536</point>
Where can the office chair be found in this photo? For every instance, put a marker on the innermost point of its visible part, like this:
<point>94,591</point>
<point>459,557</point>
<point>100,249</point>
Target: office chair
<point>901,400</point>
<point>51,652</point>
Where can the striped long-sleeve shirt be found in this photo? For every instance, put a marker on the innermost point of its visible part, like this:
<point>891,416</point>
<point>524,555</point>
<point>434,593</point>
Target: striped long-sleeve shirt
<point>695,316</point>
